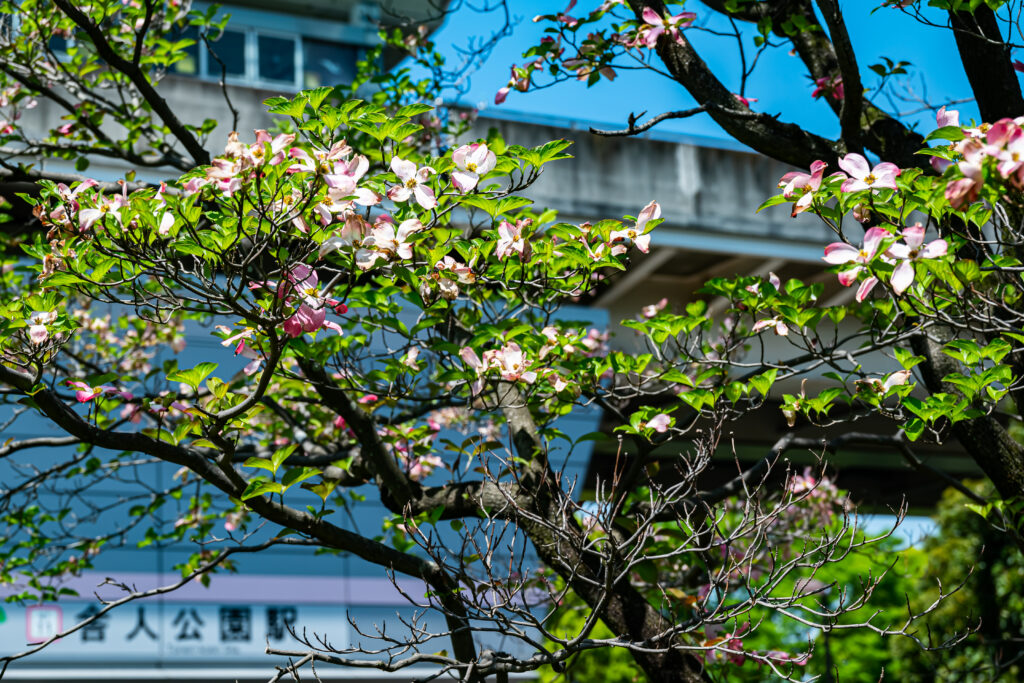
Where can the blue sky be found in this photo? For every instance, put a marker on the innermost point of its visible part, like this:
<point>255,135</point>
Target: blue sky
<point>781,83</point>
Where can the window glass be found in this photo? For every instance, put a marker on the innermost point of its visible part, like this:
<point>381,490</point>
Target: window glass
<point>58,44</point>
<point>229,49</point>
<point>326,63</point>
<point>276,58</point>
<point>188,65</point>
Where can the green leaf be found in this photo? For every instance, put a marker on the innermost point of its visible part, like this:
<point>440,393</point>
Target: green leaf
<point>950,133</point>
<point>763,382</point>
<point>593,436</point>
<point>411,110</point>
<point>261,463</point>
<point>772,201</point>
<point>281,454</point>
<point>293,108</point>
<point>259,487</point>
<point>316,97</point>
<point>297,474</point>
<point>194,376</point>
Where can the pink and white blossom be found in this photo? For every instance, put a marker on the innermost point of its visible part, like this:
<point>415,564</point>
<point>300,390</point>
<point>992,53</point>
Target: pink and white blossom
<point>38,332</point>
<point>511,240</point>
<point>655,25</point>
<point>320,160</point>
<point>965,190</point>
<point>652,310</point>
<point>388,242</point>
<point>511,363</point>
<point>413,183</point>
<point>864,177</point>
<point>636,234</point>
<point>839,253</point>
<point>804,184</point>
<point>898,378</point>
<point>912,249</point>
<point>345,175</point>
<point>776,324</point>
<point>659,423</point>
<point>472,161</point>
<point>944,118</point>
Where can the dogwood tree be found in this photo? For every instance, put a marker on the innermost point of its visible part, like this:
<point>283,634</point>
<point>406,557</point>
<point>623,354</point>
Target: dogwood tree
<point>965,189</point>
<point>378,286</point>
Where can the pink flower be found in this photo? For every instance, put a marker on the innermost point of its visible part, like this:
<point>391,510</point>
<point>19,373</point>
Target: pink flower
<point>898,378</point>
<point>254,154</point>
<point>636,234</point>
<point>470,357</point>
<point>655,25</point>
<point>966,189</point>
<point>423,466</point>
<point>653,309</point>
<point>84,393</point>
<point>1011,156</point>
<point>305,319</point>
<point>800,483</point>
<point>945,118</point>
<point>512,365</point>
<point>413,183</point>
<point>773,280</point>
<point>510,239</point>
<point>502,95</point>
<point>776,324</point>
<point>464,273</point>
<point>37,330</point>
<point>302,284</point>
<point>840,252</point>
<point>806,184</point>
<point>659,423</point>
<point>911,250</point>
<point>320,161</point>
<point>409,360</point>
<point>345,175</point>
<point>863,177</point>
<point>745,101</point>
<point>472,161</point>
<point>388,242</point>
<point>829,85</point>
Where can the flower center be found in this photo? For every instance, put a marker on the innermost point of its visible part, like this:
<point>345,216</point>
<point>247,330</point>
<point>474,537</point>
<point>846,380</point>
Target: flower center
<point>470,166</point>
<point>870,179</point>
<point>410,183</point>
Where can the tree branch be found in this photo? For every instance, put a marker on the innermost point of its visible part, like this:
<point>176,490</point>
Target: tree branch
<point>138,77</point>
<point>850,109</point>
<point>986,60</point>
<point>786,142</point>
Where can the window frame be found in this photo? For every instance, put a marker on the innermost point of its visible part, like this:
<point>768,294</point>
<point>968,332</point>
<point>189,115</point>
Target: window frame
<point>252,77</point>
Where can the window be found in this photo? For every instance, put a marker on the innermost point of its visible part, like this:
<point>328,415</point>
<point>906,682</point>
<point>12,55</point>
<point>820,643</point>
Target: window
<point>228,56</point>
<point>58,44</point>
<point>327,63</point>
<point>276,57</point>
<point>255,57</point>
